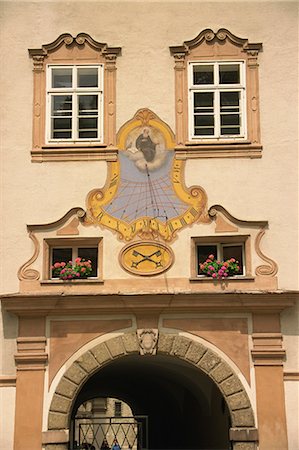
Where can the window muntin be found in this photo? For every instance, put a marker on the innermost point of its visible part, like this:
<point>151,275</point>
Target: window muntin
<point>66,254</point>
<point>222,252</point>
<point>75,99</point>
<point>217,100</point>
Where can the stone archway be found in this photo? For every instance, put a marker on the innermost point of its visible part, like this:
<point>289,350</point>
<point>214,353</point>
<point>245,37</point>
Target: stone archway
<point>243,433</point>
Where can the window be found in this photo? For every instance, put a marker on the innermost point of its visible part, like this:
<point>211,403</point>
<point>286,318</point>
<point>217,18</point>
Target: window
<point>74,104</point>
<point>74,87</point>
<point>217,96</point>
<point>59,250</point>
<point>117,409</point>
<point>223,248</point>
<point>217,100</point>
<point>71,253</point>
<point>222,252</point>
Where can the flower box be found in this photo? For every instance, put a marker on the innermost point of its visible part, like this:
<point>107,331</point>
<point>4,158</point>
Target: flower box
<point>219,269</point>
<point>79,269</point>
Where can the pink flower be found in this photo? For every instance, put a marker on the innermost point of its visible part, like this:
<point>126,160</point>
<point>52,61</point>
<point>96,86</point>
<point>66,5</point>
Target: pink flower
<point>83,269</point>
<point>57,265</point>
<point>77,274</point>
<point>63,264</point>
<point>211,257</point>
<point>77,260</point>
<point>63,271</point>
<point>214,275</point>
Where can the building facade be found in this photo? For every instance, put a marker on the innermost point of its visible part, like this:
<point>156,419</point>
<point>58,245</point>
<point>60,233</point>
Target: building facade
<point>149,237</point>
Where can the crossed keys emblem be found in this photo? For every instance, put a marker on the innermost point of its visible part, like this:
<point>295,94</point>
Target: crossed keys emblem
<point>135,253</point>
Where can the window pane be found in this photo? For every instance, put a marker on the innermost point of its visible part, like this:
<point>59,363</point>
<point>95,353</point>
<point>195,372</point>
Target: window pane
<point>61,255</point>
<point>62,78</point>
<point>229,100</point>
<point>203,113</point>
<point>61,105</point>
<point>230,117</point>
<point>88,105</point>
<point>88,123</point>
<point>236,252</point>
<point>92,254</point>
<point>88,77</point>
<point>203,252</point>
<point>203,74</point>
<point>203,101</point>
<point>229,73</point>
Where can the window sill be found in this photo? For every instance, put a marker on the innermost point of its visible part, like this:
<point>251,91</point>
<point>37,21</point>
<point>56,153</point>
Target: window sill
<point>74,153</point>
<point>84,281</point>
<point>194,150</point>
<point>200,278</point>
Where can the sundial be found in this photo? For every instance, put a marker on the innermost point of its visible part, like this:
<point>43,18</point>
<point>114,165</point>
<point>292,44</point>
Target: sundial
<point>145,196</point>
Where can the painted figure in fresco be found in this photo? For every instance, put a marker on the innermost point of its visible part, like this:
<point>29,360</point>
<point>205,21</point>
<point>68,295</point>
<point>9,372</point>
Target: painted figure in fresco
<point>146,149</point>
<point>145,144</point>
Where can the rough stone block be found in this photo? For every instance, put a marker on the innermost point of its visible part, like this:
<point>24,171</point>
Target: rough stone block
<point>238,401</point>
<point>208,361</point>
<point>66,388</point>
<point>88,362</point>
<point>231,385</point>
<point>242,418</point>
<point>101,353</point>
<point>181,345</point>
<point>115,346</point>
<point>165,343</point>
<point>195,352</point>
<point>243,434</point>
<point>75,373</point>
<point>56,447</point>
<point>57,421</point>
<point>130,343</point>
<point>60,404</point>
<point>221,372</point>
<point>244,446</point>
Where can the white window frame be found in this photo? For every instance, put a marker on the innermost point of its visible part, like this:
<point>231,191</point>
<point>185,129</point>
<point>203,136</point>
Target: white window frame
<point>219,256</point>
<point>74,249</point>
<point>216,88</point>
<point>75,91</point>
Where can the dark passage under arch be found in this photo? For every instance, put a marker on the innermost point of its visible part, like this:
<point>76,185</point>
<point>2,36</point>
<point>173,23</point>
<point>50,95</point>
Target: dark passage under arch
<point>185,408</point>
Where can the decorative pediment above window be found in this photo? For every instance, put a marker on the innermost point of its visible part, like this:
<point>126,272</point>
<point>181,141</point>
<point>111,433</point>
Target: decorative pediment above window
<point>221,37</point>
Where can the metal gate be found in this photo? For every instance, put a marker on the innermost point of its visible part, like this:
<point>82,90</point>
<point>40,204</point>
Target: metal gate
<point>91,433</point>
